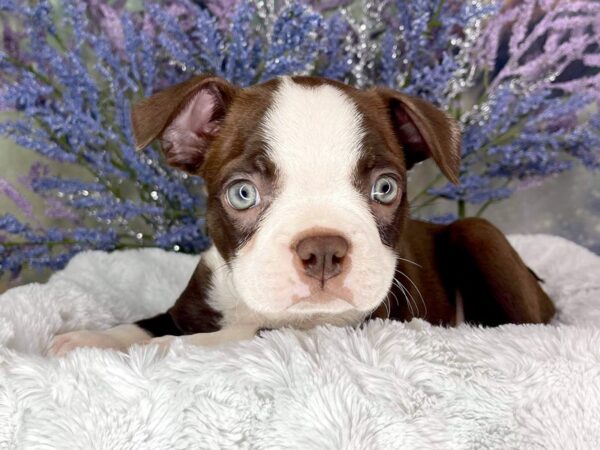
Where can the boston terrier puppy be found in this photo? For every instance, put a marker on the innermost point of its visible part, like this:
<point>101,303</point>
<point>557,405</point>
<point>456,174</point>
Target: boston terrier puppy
<point>308,213</point>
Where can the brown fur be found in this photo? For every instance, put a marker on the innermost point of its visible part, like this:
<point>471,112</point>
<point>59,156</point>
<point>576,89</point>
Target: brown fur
<point>194,315</point>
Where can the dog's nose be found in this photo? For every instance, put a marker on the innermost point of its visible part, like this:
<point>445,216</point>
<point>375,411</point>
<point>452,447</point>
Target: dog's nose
<point>322,256</point>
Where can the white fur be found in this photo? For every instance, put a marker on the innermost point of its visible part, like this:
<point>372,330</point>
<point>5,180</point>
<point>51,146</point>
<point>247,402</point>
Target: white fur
<point>225,297</point>
<point>120,338</point>
<point>314,136</point>
<point>387,386</point>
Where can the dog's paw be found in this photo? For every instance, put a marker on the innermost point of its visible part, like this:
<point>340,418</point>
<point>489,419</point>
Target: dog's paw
<point>64,343</point>
<point>163,342</point>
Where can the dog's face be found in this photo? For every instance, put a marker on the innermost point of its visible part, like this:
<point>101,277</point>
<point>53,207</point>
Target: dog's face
<point>306,182</point>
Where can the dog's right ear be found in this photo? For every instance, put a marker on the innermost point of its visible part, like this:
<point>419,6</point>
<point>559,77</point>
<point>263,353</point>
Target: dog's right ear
<point>186,117</point>
<point>424,131</point>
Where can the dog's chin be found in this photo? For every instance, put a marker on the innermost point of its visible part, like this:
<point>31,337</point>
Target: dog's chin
<point>317,308</point>
<point>320,304</point>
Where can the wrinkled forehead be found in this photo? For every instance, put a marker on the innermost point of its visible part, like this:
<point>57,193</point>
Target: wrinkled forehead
<point>312,133</point>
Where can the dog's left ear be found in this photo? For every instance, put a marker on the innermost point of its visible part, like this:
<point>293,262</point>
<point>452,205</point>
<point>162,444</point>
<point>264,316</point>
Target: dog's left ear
<point>424,131</point>
<point>186,118</point>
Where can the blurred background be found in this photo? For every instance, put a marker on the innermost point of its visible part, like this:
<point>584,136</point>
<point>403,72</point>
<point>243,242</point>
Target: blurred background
<point>523,77</point>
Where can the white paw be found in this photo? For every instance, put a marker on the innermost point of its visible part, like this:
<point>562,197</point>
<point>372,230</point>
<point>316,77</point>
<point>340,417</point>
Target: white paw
<point>163,342</point>
<point>64,343</point>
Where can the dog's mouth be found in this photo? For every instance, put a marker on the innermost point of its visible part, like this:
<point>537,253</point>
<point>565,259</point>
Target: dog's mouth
<point>334,306</point>
<point>323,298</point>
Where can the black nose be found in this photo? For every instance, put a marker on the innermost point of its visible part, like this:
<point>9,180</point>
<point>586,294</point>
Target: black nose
<point>322,256</point>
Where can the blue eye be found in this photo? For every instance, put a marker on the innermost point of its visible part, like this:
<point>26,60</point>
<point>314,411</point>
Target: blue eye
<point>243,195</point>
<point>384,190</point>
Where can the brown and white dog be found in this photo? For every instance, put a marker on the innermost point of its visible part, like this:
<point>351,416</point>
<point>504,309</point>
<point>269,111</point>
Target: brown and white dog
<point>307,208</point>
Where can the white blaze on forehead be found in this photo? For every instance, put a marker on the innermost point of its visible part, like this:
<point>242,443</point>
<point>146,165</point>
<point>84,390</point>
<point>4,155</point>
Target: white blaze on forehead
<point>314,135</point>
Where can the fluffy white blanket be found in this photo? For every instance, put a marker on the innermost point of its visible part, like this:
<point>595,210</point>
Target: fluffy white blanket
<point>388,385</point>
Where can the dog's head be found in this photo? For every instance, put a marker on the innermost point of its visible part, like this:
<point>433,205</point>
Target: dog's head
<point>306,182</point>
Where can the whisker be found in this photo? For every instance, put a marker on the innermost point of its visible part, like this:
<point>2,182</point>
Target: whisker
<point>409,261</point>
<point>409,299</point>
<point>415,286</point>
<point>395,297</point>
<point>402,289</point>
<point>408,295</point>
<point>414,301</point>
<point>386,303</point>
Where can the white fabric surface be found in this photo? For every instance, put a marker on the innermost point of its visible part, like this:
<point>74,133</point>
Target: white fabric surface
<point>388,385</point>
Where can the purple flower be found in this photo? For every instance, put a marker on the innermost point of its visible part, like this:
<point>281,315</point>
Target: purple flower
<point>327,5</point>
<point>108,18</point>
<point>472,189</point>
<point>245,48</point>
<point>550,44</point>
<point>294,42</point>
<point>222,9</point>
<point>55,209</point>
<point>13,194</point>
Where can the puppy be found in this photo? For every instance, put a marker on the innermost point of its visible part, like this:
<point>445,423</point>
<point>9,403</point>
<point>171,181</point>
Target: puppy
<point>308,212</point>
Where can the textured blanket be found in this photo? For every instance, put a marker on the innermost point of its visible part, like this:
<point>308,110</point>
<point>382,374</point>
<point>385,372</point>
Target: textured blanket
<point>387,385</point>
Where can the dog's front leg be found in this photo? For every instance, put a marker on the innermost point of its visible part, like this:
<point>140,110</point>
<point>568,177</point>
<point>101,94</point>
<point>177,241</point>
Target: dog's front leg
<point>118,338</point>
<point>124,336</point>
<point>191,314</point>
<point>226,335</point>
